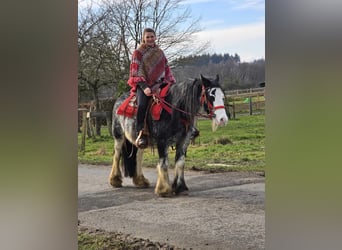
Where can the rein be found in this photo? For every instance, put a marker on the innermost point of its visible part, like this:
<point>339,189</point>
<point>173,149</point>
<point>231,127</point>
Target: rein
<point>157,99</point>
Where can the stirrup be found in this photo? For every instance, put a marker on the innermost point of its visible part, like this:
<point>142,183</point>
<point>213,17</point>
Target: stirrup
<point>141,141</point>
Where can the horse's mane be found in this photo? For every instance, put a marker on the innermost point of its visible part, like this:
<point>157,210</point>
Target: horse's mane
<point>186,96</point>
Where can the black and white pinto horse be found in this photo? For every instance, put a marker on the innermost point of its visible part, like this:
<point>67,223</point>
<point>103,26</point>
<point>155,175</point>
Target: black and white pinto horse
<point>185,99</point>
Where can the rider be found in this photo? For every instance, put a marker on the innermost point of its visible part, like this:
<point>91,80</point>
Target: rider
<point>149,67</point>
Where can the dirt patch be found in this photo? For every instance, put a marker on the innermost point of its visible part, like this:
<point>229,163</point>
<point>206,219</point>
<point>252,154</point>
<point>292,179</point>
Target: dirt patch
<point>89,238</point>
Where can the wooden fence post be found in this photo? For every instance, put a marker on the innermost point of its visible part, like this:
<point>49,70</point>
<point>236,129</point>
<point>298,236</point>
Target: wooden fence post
<point>109,122</point>
<point>84,130</point>
<point>91,126</point>
<point>234,109</point>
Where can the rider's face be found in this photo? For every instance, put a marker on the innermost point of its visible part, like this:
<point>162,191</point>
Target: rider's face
<point>149,38</point>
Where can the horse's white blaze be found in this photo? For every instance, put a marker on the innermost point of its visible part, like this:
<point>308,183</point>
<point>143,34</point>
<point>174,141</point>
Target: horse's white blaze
<point>221,118</point>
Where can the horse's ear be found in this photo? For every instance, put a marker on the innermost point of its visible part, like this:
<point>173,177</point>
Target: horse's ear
<point>203,78</point>
<point>205,81</point>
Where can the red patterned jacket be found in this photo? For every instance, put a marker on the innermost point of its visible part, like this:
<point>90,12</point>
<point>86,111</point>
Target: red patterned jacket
<point>149,65</point>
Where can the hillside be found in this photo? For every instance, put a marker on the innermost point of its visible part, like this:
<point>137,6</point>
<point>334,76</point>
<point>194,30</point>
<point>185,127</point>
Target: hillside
<point>233,73</point>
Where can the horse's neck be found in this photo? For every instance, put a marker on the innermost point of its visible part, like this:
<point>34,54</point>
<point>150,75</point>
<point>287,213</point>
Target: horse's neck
<point>185,97</point>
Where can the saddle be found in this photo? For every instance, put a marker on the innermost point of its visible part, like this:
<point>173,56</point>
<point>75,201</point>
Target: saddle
<point>129,107</point>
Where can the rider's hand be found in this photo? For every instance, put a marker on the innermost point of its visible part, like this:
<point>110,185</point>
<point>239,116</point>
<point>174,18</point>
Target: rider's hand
<point>147,91</point>
<point>145,88</point>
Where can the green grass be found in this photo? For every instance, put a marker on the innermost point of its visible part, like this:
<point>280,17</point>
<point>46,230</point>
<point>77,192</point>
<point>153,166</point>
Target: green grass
<point>239,100</point>
<point>239,146</point>
<point>100,241</point>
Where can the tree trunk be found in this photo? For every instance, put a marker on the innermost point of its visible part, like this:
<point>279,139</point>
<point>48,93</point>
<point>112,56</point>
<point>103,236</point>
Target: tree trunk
<point>97,108</point>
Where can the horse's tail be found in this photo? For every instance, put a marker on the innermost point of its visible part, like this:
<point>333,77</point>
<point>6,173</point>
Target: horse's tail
<point>129,155</point>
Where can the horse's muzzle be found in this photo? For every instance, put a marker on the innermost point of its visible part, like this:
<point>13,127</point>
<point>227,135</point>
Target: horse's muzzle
<point>223,121</point>
<point>221,118</point>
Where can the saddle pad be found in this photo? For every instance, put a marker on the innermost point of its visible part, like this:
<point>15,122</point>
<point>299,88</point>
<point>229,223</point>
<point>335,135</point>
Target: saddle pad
<point>156,110</point>
<point>129,107</point>
<point>157,107</point>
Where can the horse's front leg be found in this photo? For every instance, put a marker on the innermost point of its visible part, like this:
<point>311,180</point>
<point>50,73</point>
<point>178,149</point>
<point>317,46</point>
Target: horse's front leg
<point>115,177</point>
<point>163,187</point>
<point>178,185</point>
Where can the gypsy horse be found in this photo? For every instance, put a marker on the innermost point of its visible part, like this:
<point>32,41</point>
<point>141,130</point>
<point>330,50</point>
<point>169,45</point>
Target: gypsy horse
<point>184,101</point>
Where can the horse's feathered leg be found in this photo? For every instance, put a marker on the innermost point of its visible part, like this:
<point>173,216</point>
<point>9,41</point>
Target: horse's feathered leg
<point>115,177</point>
<point>138,179</point>
<point>163,187</point>
<point>124,149</point>
<point>178,185</point>
<point>134,156</point>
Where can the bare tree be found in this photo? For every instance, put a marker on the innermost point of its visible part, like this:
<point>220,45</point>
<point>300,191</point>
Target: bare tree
<point>98,63</point>
<point>173,22</point>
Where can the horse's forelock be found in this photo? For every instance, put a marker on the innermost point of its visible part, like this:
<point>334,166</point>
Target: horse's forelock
<point>211,82</point>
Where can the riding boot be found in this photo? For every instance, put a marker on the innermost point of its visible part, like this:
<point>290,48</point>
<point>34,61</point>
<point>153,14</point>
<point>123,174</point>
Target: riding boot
<point>142,101</point>
<point>141,141</point>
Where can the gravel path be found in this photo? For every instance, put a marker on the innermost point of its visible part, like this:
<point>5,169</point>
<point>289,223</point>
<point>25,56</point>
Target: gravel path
<point>222,211</point>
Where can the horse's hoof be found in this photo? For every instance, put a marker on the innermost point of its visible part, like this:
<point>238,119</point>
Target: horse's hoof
<point>180,189</point>
<point>164,192</point>
<point>116,181</point>
<point>141,182</point>
<point>182,193</point>
<point>165,195</point>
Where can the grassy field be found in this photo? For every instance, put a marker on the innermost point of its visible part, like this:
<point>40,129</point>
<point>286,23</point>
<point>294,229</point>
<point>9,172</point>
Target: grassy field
<point>240,146</point>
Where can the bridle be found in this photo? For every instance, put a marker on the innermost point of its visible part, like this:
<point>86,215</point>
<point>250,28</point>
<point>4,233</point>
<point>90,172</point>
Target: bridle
<point>211,108</point>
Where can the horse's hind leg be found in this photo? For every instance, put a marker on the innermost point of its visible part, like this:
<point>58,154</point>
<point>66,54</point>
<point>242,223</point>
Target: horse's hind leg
<point>139,180</point>
<point>115,177</point>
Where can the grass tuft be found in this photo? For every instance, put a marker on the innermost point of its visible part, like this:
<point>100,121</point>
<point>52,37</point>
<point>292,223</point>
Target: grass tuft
<point>223,141</point>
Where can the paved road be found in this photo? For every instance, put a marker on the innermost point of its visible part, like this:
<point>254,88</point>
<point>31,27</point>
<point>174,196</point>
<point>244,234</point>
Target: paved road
<point>222,211</point>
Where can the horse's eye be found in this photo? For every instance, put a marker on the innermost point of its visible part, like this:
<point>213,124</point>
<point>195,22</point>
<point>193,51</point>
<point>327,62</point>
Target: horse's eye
<point>213,92</point>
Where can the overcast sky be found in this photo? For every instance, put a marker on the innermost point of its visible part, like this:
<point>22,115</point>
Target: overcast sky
<point>232,26</point>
